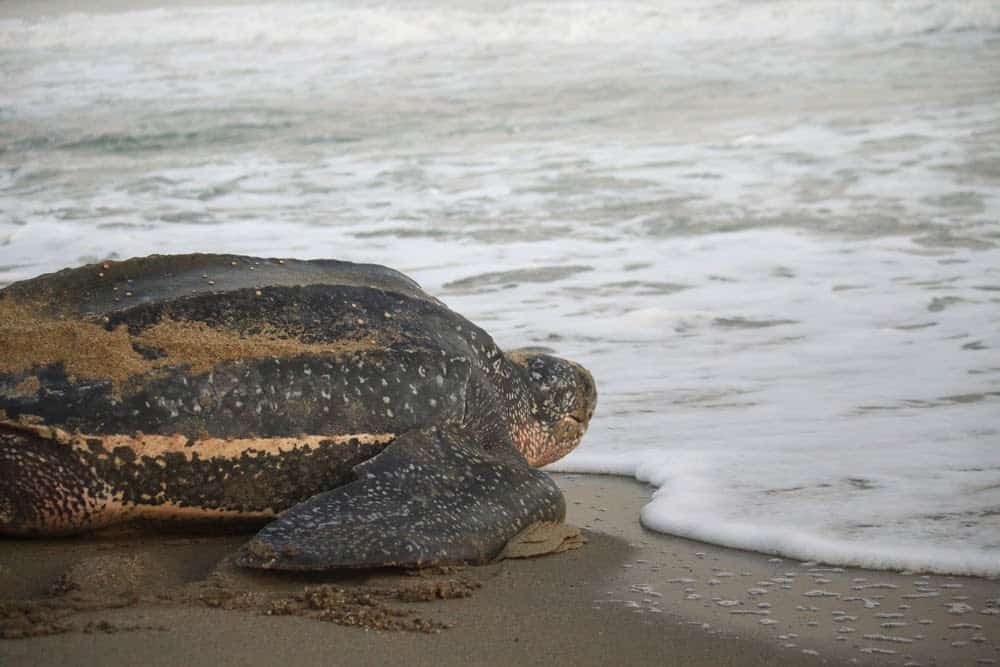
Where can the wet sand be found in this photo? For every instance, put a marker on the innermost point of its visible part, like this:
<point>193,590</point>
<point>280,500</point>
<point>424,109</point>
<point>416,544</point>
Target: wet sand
<point>629,596</point>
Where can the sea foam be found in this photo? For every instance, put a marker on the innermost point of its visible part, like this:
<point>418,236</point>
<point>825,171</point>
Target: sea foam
<point>480,24</point>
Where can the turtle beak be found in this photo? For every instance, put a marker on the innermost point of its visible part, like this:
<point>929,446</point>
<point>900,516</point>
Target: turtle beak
<point>563,438</point>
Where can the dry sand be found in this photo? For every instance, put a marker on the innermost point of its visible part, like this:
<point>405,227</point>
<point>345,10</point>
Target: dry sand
<point>629,596</point>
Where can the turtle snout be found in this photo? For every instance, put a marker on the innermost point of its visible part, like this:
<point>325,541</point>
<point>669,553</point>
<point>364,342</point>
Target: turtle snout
<point>586,396</point>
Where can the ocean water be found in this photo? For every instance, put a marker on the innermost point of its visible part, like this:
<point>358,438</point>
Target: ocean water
<point>770,228</point>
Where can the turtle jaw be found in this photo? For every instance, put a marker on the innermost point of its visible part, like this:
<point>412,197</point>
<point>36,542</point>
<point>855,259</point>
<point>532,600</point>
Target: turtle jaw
<point>542,446</point>
<point>560,400</point>
<point>568,431</point>
<point>563,438</point>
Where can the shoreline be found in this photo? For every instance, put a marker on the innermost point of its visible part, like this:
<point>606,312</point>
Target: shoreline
<point>849,614</point>
<point>629,595</point>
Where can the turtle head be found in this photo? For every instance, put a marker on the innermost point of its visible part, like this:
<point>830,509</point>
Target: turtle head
<point>562,397</point>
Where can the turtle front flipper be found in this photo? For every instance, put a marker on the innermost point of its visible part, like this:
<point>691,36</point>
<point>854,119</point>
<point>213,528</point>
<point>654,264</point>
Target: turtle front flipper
<point>430,497</point>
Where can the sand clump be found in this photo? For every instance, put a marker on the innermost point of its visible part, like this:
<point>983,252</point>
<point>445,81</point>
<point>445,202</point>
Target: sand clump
<point>367,608</point>
<point>364,607</point>
<point>112,582</point>
<point>22,619</point>
<point>440,590</point>
<point>91,584</point>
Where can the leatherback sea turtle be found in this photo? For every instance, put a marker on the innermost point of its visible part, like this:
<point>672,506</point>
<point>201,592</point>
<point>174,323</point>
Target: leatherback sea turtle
<point>384,428</point>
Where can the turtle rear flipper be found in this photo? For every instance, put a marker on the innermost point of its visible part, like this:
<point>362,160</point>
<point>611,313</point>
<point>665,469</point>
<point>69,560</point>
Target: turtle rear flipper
<point>430,497</point>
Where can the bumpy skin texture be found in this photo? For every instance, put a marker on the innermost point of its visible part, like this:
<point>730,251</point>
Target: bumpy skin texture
<point>429,498</point>
<point>215,386</point>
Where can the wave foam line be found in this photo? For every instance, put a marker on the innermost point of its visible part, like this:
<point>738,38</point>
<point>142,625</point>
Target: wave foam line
<point>671,512</point>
